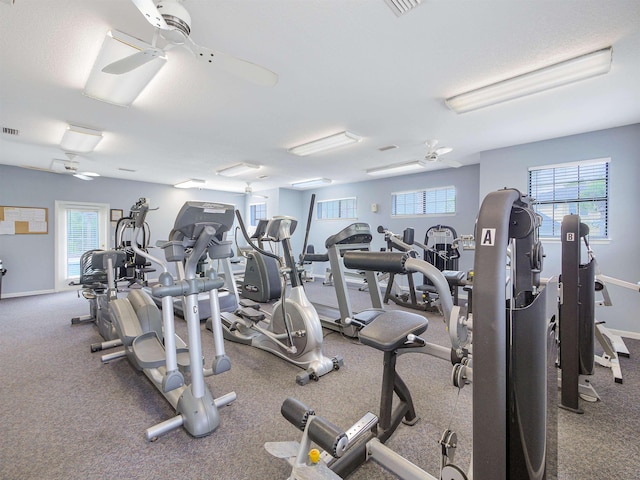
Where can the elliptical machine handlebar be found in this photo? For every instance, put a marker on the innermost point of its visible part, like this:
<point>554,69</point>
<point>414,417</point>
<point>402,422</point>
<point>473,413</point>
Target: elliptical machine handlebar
<point>247,237</point>
<point>138,215</point>
<point>138,212</point>
<point>205,237</point>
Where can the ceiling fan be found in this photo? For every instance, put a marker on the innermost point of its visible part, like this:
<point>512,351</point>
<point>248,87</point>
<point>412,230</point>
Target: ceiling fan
<point>248,191</point>
<point>70,167</point>
<point>433,154</point>
<point>173,23</point>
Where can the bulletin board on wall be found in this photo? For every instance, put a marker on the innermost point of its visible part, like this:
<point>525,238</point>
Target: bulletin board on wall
<point>24,220</point>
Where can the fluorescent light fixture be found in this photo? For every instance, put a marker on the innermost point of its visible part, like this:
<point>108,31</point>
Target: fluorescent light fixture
<point>327,143</point>
<point>239,169</point>
<point>397,168</point>
<point>569,71</point>
<point>120,89</point>
<point>80,139</point>
<point>193,183</point>
<point>315,182</point>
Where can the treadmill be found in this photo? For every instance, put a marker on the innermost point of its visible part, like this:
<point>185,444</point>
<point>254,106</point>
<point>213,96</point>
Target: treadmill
<point>356,236</point>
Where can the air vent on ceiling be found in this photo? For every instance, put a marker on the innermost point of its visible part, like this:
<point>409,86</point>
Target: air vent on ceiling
<point>387,147</point>
<point>10,131</point>
<point>401,7</point>
<point>126,170</point>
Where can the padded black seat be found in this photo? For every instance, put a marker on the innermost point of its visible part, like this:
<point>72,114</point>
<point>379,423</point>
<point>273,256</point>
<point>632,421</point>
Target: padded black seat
<point>389,330</point>
<point>315,257</point>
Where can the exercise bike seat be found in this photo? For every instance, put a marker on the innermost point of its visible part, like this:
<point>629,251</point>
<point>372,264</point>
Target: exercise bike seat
<point>389,330</point>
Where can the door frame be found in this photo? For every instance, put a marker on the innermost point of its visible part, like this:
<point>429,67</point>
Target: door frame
<point>61,207</point>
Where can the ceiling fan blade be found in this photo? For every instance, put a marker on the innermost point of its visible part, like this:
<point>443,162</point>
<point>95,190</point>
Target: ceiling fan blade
<point>249,71</point>
<point>443,150</point>
<point>132,62</point>
<point>82,177</point>
<point>151,13</point>
<point>452,163</point>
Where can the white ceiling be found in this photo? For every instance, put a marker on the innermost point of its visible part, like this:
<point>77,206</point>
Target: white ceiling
<point>342,64</point>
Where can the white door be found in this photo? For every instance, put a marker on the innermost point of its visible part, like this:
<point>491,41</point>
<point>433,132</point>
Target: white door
<point>79,227</point>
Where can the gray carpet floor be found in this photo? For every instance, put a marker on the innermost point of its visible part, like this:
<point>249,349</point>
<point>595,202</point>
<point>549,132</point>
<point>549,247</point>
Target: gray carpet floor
<point>65,415</point>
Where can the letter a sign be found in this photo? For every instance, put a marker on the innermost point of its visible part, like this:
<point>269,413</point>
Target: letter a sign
<point>488,237</point>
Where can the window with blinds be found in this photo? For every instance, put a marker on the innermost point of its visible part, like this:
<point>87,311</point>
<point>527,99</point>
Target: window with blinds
<point>336,209</point>
<point>82,235</point>
<point>580,188</point>
<point>257,211</point>
<point>430,201</point>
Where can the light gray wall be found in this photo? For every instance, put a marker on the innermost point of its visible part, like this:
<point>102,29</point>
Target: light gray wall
<point>465,179</point>
<point>508,167</point>
<point>30,259</point>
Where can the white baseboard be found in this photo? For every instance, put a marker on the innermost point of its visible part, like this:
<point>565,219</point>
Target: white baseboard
<point>27,294</point>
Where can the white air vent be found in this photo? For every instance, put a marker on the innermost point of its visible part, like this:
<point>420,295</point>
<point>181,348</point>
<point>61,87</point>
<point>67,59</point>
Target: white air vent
<point>10,131</point>
<point>401,7</point>
<point>387,147</point>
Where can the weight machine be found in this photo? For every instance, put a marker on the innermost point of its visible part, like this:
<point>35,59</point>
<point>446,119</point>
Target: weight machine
<point>578,325</point>
<point>514,406</point>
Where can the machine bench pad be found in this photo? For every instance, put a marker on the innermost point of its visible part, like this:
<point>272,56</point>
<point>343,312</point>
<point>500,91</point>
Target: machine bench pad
<point>389,330</point>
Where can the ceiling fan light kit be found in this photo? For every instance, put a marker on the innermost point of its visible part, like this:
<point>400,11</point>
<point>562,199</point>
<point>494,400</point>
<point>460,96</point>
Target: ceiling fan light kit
<point>193,183</point>
<point>315,182</point>
<point>80,139</point>
<point>397,168</point>
<point>121,89</point>
<point>563,73</point>
<point>326,143</point>
<point>239,169</point>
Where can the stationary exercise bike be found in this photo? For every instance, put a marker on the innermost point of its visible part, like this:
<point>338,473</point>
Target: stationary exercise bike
<point>149,339</point>
<point>294,332</point>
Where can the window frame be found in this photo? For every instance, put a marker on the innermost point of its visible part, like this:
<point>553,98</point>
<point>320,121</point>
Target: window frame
<point>62,280</point>
<point>425,203</point>
<point>253,213</point>
<point>572,204</point>
<point>338,207</point>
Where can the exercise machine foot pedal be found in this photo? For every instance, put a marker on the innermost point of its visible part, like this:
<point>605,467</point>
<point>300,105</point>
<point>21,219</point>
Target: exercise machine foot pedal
<point>250,314</point>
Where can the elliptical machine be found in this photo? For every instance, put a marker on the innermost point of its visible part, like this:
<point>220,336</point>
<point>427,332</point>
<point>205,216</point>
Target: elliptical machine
<point>149,339</point>
<point>294,331</point>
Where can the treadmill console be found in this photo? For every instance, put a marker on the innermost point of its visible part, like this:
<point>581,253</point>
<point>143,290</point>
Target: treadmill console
<point>194,216</point>
<point>358,232</point>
